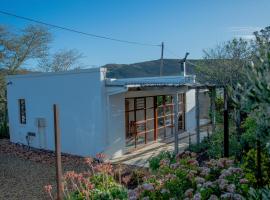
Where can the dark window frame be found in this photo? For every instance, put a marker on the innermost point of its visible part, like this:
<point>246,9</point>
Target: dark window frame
<point>22,111</point>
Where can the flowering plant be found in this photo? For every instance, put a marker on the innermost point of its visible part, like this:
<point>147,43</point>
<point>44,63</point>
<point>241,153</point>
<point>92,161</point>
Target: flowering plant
<point>186,179</point>
<point>97,183</point>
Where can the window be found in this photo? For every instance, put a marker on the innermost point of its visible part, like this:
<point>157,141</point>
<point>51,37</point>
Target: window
<point>22,111</point>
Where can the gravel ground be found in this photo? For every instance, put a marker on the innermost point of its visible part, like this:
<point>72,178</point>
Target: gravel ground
<point>24,172</point>
<point>23,179</point>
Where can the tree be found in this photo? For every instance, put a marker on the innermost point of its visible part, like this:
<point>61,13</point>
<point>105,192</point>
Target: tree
<point>16,48</point>
<point>225,65</point>
<point>255,92</point>
<point>62,60</point>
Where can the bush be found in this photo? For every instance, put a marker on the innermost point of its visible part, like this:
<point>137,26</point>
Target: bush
<point>97,183</point>
<point>186,179</point>
<point>259,194</point>
<point>4,131</point>
<point>249,135</point>
<point>154,163</point>
<point>249,166</point>
<point>213,146</point>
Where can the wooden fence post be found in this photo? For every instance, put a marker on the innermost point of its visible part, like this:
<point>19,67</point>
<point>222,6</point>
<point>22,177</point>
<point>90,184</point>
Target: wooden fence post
<point>197,111</point>
<point>58,152</point>
<point>226,124</point>
<point>176,110</point>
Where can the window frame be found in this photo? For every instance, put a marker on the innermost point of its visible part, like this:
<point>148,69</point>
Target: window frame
<point>22,111</point>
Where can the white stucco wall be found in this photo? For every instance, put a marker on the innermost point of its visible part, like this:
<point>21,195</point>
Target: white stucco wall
<point>115,140</point>
<point>80,97</point>
<point>190,111</point>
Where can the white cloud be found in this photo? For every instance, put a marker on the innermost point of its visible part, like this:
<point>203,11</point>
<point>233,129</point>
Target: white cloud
<point>245,37</point>
<point>245,32</point>
<point>243,29</point>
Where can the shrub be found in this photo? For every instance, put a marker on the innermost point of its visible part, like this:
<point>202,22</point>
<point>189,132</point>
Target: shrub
<point>186,179</point>
<point>249,166</point>
<point>213,146</point>
<point>249,135</point>
<point>259,194</point>
<point>154,162</point>
<point>97,183</point>
<point>4,131</point>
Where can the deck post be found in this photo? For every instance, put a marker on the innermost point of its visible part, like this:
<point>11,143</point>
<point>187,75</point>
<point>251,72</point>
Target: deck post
<point>145,121</point>
<point>171,115</point>
<point>164,114</point>
<point>155,118</point>
<point>176,113</point>
<point>197,115</point>
<point>57,142</point>
<point>226,124</point>
<point>213,108</point>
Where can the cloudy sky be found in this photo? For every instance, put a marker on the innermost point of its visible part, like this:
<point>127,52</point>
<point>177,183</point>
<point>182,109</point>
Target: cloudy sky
<point>186,25</point>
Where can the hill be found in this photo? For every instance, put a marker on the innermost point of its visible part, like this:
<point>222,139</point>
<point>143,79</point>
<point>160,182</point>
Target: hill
<point>149,68</point>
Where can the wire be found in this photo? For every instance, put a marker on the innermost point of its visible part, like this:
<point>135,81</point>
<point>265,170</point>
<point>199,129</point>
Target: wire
<point>192,63</point>
<point>171,52</point>
<point>77,31</point>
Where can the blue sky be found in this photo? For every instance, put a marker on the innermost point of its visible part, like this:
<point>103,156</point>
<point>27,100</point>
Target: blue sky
<point>183,25</point>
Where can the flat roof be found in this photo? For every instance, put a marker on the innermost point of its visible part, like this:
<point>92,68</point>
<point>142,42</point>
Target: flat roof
<point>41,74</point>
<point>152,81</point>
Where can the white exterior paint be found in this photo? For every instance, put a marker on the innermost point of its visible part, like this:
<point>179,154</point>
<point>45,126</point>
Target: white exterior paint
<point>91,115</point>
<point>79,96</point>
<point>190,111</point>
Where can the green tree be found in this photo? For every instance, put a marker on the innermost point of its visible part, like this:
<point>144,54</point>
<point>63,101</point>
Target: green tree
<point>256,92</point>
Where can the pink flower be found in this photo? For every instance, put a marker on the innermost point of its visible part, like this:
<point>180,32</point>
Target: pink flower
<point>193,162</point>
<point>88,160</point>
<point>243,181</point>
<point>48,188</point>
<point>164,162</point>
<point>101,156</point>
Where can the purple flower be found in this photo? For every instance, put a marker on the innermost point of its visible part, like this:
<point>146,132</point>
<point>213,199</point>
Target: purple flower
<point>199,180</point>
<point>213,197</point>
<point>227,196</point>
<point>148,186</point>
<point>231,188</point>
<point>197,196</point>
<point>208,184</point>
<point>243,181</point>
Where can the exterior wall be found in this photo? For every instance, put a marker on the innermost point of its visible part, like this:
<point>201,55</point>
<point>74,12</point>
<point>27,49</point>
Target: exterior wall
<point>204,103</point>
<point>80,97</point>
<point>116,139</point>
<point>190,111</point>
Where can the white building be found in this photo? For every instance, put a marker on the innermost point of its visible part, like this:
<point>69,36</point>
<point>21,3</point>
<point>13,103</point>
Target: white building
<point>97,114</point>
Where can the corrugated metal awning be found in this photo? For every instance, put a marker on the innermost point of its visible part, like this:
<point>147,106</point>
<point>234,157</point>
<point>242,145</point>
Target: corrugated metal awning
<point>152,81</point>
